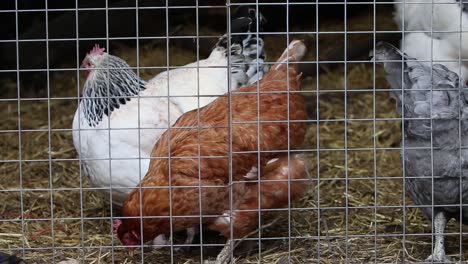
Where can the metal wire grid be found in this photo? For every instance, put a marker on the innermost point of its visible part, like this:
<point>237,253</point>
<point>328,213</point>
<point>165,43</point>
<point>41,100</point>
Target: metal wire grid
<point>317,151</point>
<point>432,62</point>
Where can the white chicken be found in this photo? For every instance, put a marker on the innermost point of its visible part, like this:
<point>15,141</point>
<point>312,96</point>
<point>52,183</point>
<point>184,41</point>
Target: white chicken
<point>120,116</point>
<point>439,36</point>
<point>430,51</point>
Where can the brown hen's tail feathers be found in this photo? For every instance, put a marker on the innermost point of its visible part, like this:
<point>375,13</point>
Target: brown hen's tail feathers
<point>283,180</point>
<point>295,51</point>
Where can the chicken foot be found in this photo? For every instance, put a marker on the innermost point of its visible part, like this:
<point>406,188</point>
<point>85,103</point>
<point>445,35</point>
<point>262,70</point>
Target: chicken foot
<point>438,255</point>
<point>225,254</point>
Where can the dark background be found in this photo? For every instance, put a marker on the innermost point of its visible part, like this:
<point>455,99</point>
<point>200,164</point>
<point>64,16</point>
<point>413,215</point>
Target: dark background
<point>63,35</point>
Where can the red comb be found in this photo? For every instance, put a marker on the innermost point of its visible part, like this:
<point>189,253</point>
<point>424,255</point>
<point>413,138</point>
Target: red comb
<point>97,50</point>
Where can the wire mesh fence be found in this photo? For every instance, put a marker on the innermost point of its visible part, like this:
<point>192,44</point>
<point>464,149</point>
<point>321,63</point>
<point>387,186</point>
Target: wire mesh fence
<point>186,141</point>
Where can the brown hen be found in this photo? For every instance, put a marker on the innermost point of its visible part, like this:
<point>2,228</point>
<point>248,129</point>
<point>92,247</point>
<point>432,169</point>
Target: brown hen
<point>192,176</point>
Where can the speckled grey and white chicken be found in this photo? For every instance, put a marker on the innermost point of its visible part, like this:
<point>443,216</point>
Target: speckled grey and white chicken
<point>120,116</point>
<point>435,114</point>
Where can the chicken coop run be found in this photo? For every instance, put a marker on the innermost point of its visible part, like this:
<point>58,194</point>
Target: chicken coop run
<point>202,131</point>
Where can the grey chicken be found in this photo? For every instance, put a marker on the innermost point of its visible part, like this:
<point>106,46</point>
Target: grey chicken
<point>10,259</point>
<point>435,122</point>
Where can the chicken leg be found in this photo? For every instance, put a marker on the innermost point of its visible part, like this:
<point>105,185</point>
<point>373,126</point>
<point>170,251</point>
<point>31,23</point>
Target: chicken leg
<point>438,255</point>
<point>191,232</point>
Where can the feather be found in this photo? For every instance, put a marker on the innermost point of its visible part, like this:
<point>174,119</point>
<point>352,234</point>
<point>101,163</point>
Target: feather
<point>435,128</point>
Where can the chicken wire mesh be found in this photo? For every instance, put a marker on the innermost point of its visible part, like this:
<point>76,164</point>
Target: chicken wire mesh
<point>357,209</point>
